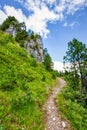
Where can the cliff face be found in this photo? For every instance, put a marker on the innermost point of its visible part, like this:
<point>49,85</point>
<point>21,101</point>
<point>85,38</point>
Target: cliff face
<point>35,48</point>
<point>11,30</point>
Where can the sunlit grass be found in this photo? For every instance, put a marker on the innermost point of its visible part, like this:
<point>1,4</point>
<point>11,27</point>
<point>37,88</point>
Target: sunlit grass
<point>74,111</point>
<point>23,83</point>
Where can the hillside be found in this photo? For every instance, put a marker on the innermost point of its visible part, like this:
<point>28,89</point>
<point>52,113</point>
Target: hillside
<point>30,40</point>
<point>24,86</point>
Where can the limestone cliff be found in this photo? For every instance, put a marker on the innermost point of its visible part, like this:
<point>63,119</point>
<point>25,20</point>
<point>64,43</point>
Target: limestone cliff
<point>11,30</point>
<point>33,46</point>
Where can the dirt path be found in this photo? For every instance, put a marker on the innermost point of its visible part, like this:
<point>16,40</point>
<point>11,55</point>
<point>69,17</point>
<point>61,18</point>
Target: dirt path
<point>53,119</point>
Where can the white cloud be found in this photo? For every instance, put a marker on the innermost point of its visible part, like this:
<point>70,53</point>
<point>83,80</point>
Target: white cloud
<point>3,16</point>
<point>43,11</point>
<point>65,24</point>
<point>17,13</point>
<point>70,6</point>
<point>50,2</point>
<point>58,66</point>
<point>39,19</point>
<point>41,14</point>
<point>68,66</point>
<point>71,25</point>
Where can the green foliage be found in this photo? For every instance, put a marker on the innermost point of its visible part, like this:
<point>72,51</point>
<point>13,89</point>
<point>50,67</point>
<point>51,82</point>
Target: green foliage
<point>23,83</point>
<point>71,102</point>
<point>54,74</point>
<point>19,102</point>
<point>72,109</point>
<point>21,37</point>
<point>34,36</point>
<point>5,39</point>
<point>22,26</point>
<point>34,62</point>
<point>76,55</point>
<point>2,128</point>
<point>76,52</point>
<point>43,78</point>
<point>9,21</point>
<point>48,62</point>
<point>36,46</point>
<point>74,81</point>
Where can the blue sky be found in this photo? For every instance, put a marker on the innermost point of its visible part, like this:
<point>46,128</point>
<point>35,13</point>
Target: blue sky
<point>58,21</point>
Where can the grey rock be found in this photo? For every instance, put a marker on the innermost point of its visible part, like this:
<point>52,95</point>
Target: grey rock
<point>35,48</point>
<point>63,124</point>
<point>11,30</point>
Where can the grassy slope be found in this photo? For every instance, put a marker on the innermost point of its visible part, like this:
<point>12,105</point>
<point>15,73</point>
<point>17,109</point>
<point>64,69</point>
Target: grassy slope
<point>74,111</point>
<point>23,84</point>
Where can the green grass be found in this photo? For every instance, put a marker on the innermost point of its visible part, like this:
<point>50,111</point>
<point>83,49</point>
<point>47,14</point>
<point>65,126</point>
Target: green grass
<point>74,111</point>
<point>23,83</point>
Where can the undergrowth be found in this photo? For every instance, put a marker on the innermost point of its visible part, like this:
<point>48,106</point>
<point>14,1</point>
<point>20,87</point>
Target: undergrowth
<point>23,87</point>
<point>72,109</point>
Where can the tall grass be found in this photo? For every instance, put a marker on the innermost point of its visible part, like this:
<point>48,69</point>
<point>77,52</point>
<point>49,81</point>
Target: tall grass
<point>73,110</point>
<point>23,83</point>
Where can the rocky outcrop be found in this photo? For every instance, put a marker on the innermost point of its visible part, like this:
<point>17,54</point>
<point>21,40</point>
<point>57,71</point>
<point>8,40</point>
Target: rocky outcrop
<point>35,48</point>
<point>11,30</point>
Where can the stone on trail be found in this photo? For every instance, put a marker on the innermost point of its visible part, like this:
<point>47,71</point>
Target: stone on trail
<point>63,124</point>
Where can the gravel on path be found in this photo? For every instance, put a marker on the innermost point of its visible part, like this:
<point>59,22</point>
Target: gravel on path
<point>53,118</point>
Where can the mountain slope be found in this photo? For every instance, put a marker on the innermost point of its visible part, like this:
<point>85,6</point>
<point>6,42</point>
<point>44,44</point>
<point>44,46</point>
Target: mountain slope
<point>23,87</point>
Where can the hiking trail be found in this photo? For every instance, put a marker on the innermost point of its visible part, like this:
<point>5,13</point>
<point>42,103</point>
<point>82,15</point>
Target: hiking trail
<point>53,118</point>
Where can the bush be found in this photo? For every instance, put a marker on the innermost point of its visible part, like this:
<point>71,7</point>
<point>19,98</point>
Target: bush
<point>20,102</point>
<point>5,39</point>
<point>23,84</point>
<point>71,109</point>
<point>48,62</point>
